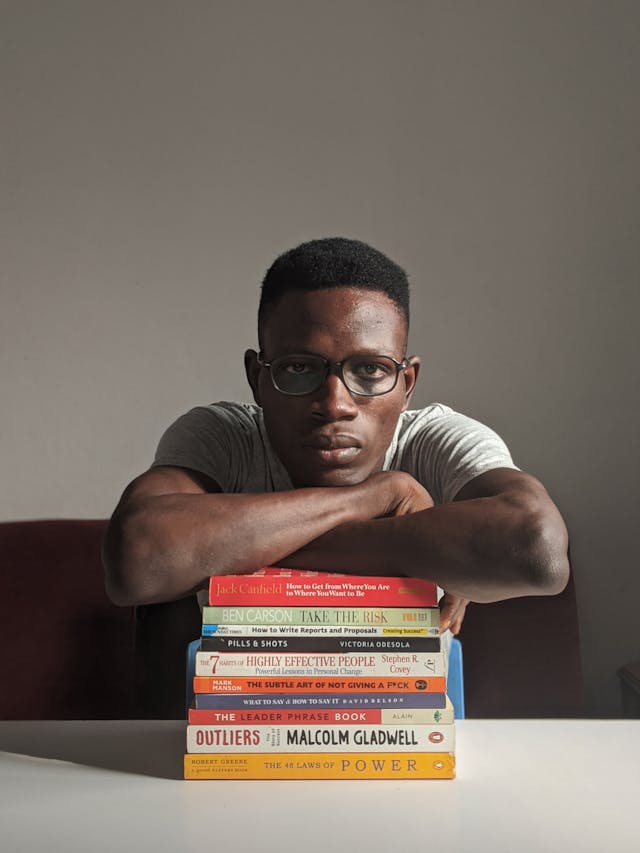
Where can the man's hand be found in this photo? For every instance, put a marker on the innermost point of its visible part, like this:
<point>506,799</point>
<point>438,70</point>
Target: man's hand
<point>406,495</point>
<point>412,497</point>
<point>452,610</point>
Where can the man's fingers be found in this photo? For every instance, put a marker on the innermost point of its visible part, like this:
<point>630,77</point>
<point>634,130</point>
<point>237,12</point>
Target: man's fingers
<point>457,620</point>
<point>452,610</point>
<point>447,612</point>
<point>457,624</point>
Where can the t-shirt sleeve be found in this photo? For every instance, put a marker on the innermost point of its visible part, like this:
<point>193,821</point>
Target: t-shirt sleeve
<point>446,450</point>
<point>209,439</point>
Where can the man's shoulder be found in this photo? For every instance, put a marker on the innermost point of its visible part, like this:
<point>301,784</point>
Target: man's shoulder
<point>246,416</point>
<point>439,431</point>
<point>440,427</point>
<point>431,412</point>
<point>227,442</point>
<point>416,429</point>
<point>431,417</point>
<point>445,449</point>
<point>231,408</point>
<point>216,427</point>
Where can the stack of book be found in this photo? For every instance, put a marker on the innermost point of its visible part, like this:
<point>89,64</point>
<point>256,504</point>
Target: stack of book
<point>308,675</point>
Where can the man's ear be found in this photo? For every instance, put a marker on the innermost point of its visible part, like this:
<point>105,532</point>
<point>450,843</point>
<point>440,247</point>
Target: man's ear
<point>252,369</point>
<point>410,376</point>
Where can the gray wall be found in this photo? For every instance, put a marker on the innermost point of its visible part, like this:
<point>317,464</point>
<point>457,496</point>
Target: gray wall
<point>156,156</point>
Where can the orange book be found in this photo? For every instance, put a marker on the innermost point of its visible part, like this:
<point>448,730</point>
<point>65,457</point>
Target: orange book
<point>320,765</point>
<point>218,684</point>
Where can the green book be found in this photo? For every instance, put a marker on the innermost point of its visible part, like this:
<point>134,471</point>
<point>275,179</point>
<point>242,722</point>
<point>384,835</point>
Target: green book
<point>393,617</point>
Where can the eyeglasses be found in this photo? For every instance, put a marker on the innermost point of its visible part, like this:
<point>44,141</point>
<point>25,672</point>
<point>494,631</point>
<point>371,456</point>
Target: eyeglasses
<point>366,375</point>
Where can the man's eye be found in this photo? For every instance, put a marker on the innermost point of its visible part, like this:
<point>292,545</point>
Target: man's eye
<point>371,370</point>
<point>296,367</point>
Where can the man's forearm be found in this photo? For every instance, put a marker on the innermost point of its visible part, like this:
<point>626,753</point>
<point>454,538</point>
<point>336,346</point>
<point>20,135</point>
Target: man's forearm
<point>484,549</point>
<point>162,547</point>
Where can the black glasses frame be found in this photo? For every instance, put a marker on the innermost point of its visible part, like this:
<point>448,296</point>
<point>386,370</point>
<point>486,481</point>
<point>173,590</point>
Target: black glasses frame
<point>330,366</point>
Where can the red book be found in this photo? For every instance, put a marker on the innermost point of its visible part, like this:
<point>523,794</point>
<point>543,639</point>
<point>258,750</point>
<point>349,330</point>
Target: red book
<point>296,587</point>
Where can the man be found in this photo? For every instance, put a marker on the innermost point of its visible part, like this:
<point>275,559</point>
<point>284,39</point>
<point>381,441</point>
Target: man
<point>330,469</point>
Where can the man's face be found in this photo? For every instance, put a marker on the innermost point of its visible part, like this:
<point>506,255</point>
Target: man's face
<point>332,437</point>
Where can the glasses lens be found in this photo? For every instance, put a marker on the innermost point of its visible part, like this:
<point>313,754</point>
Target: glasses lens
<point>298,374</point>
<point>370,375</point>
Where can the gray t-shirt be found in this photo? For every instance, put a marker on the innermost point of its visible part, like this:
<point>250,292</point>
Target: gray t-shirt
<point>442,449</point>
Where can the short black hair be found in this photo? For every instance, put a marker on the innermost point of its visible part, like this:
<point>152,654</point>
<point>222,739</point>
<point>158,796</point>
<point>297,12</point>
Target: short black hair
<point>334,262</point>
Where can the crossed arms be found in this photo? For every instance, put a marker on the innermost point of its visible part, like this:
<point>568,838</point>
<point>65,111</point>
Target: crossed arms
<point>502,536</point>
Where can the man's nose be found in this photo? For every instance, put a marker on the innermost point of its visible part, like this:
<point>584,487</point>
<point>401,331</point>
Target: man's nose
<point>333,400</point>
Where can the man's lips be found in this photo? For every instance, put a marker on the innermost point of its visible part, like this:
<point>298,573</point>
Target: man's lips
<point>321,441</point>
<point>333,449</point>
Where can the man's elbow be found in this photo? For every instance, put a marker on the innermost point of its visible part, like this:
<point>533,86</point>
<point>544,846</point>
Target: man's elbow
<point>548,556</point>
<point>125,582</point>
<point>119,591</point>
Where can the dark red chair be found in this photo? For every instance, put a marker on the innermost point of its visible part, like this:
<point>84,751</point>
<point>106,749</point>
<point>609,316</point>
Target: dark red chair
<point>522,658</point>
<point>66,652</point>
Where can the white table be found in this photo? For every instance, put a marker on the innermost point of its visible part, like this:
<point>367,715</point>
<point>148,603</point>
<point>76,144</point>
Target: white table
<point>569,786</point>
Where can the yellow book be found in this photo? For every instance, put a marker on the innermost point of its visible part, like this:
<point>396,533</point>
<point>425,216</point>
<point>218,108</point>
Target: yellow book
<point>320,765</point>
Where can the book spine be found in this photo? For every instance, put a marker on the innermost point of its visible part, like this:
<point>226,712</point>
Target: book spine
<point>328,739</point>
<point>316,701</point>
<point>314,589</point>
<point>219,684</point>
<point>310,765</point>
<point>390,617</point>
<point>291,664</point>
<point>321,644</point>
<point>209,630</point>
<point>332,716</point>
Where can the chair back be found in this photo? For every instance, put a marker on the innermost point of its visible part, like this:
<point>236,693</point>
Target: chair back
<point>66,652</point>
<point>522,658</point>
